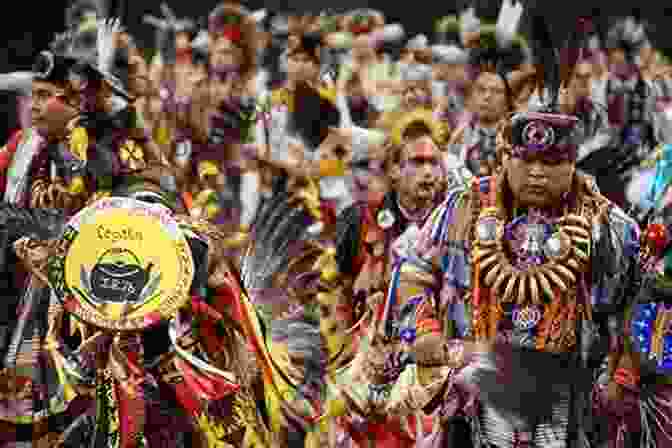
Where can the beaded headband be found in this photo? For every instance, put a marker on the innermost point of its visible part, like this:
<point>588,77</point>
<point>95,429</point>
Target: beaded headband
<point>545,134</point>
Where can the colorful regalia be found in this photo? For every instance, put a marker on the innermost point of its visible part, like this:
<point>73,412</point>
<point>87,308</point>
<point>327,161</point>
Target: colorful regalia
<point>641,416</point>
<point>537,288</point>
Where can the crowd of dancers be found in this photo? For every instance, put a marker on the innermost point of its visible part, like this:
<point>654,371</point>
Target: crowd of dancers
<point>392,241</point>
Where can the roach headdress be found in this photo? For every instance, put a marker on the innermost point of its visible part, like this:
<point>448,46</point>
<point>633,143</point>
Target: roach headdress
<point>545,130</point>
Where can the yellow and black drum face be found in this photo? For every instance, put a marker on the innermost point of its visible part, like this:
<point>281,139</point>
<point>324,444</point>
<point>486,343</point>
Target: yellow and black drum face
<point>127,265</point>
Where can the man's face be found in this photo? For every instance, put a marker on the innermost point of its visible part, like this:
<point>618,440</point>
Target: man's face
<point>182,41</point>
<point>489,97</point>
<point>582,80</point>
<point>225,55</point>
<point>362,50</point>
<point>538,181</point>
<point>301,67</point>
<point>420,171</point>
<point>49,111</point>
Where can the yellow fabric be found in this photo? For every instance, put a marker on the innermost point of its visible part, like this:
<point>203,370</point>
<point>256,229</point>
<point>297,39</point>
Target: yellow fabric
<point>332,168</point>
<point>207,168</point>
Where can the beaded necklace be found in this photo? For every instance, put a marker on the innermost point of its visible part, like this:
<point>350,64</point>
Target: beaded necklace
<point>543,293</point>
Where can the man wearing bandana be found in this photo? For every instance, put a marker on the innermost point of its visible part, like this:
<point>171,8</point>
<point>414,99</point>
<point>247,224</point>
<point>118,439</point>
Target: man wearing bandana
<point>37,155</point>
<point>512,278</point>
<point>370,237</point>
<point>368,229</point>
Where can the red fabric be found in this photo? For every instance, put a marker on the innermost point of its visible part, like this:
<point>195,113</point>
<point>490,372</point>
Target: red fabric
<point>328,210</point>
<point>187,398</point>
<point>6,158</point>
<point>429,326</point>
<point>386,434</point>
<point>232,32</point>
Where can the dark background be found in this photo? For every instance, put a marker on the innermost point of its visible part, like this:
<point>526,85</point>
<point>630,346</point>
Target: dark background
<point>30,25</point>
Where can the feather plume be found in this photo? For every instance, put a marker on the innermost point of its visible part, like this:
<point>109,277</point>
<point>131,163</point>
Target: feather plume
<point>387,34</point>
<point>508,22</point>
<point>106,43</point>
<point>419,42</point>
<point>468,21</point>
<point>545,61</point>
<point>259,15</point>
<point>278,233</point>
<point>450,54</point>
<point>21,222</point>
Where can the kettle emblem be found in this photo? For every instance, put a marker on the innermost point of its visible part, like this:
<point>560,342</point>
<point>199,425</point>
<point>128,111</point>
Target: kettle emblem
<point>118,277</point>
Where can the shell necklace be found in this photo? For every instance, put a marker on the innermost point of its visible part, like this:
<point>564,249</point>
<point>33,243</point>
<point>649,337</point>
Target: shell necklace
<point>560,259</point>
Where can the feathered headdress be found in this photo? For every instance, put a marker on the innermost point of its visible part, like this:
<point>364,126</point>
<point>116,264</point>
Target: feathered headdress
<point>545,130</point>
<point>94,46</point>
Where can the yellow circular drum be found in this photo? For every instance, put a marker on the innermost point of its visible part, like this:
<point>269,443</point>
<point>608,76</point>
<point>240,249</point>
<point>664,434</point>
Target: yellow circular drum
<point>127,265</point>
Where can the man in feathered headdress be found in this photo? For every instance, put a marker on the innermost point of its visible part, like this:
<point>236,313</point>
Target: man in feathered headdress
<point>514,266</point>
<point>37,154</point>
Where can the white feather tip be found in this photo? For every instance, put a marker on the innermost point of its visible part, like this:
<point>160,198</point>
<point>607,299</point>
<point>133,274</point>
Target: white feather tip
<point>468,21</point>
<point>259,15</point>
<point>106,43</point>
<point>389,33</point>
<point>508,22</point>
<point>419,42</point>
